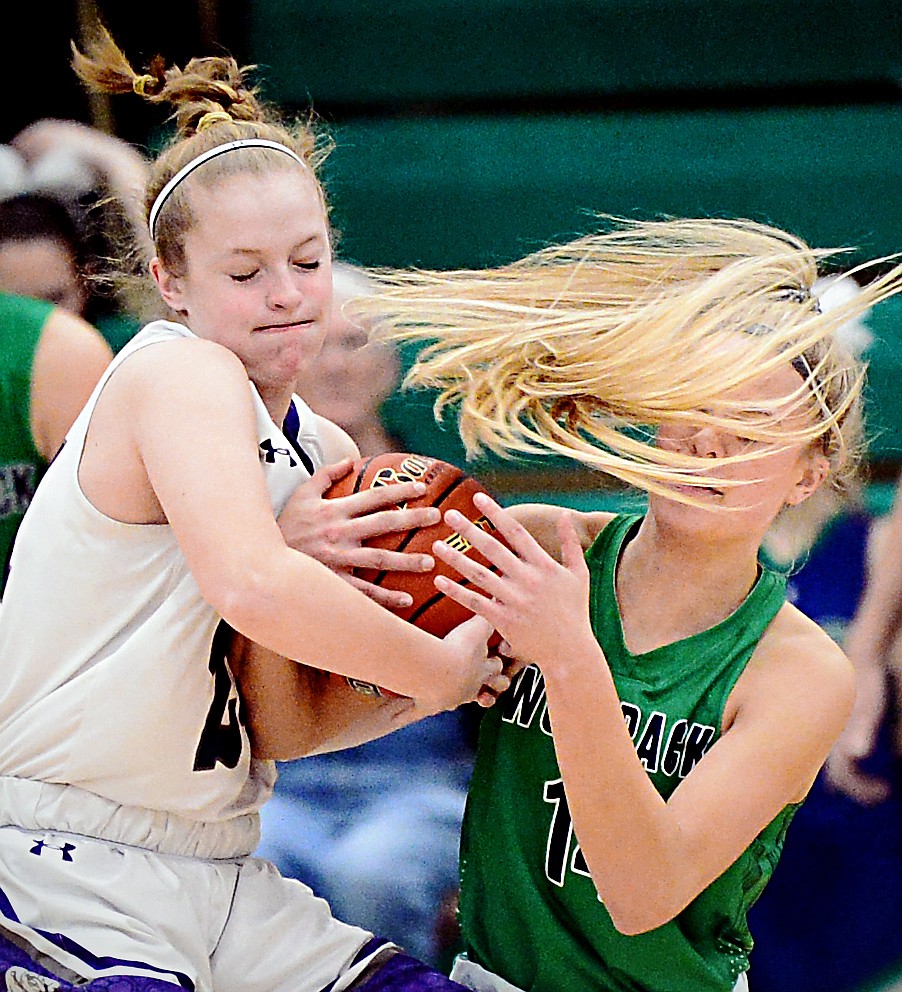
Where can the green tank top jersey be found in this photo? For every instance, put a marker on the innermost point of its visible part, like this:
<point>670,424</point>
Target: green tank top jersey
<point>528,908</point>
<point>21,466</point>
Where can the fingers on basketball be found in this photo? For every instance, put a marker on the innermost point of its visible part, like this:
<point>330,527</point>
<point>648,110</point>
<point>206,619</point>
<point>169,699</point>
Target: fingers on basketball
<point>447,488</point>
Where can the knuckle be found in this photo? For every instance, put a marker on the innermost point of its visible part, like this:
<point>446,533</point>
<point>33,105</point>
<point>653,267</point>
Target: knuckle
<point>332,533</point>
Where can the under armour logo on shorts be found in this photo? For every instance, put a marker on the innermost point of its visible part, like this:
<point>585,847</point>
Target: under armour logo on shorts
<point>66,849</point>
<point>20,980</point>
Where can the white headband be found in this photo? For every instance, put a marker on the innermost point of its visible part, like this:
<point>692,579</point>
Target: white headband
<point>186,170</point>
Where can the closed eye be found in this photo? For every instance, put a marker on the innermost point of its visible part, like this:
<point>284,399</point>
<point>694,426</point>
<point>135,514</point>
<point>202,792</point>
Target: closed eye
<point>243,276</point>
<point>307,266</point>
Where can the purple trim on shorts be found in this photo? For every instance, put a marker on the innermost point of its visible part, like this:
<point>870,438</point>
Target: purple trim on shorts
<point>402,973</point>
<point>12,956</point>
<point>368,949</point>
<point>83,954</point>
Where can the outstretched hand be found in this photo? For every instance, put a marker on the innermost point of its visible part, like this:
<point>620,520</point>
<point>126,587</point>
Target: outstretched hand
<point>537,604</point>
<point>334,531</point>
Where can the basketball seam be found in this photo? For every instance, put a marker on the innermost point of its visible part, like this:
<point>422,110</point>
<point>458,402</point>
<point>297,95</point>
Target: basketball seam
<point>361,473</point>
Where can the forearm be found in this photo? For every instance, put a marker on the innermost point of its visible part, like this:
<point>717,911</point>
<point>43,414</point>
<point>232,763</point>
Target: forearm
<point>354,719</point>
<point>292,711</point>
<point>630,840</point>
<point>298,608</point>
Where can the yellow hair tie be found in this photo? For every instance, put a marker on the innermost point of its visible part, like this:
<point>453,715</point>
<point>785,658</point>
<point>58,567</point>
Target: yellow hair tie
<point>212,117</point>
<point>139,84</point>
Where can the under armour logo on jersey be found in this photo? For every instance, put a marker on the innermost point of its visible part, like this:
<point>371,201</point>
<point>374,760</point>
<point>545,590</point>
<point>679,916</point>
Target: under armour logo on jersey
<point>20,980</point>
<point>66,849</point>
<point>270,451</point>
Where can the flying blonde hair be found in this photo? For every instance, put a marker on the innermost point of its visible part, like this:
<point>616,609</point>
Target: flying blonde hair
<point>583,349</point>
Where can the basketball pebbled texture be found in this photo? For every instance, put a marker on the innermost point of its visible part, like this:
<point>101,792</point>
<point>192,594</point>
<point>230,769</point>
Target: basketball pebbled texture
<point>447,488</point>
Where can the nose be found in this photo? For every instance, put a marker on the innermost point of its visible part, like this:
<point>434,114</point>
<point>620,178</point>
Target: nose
<point>284,290</point>
<point>706,442</point>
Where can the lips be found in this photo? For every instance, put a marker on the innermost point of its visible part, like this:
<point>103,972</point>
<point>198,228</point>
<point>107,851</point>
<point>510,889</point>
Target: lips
<point>700,490</point>
<point>288,326</point>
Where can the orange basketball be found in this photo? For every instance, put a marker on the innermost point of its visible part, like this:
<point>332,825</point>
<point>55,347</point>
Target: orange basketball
<point>447,488</point>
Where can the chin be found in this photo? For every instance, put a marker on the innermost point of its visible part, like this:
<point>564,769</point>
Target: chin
<point>687,518</point>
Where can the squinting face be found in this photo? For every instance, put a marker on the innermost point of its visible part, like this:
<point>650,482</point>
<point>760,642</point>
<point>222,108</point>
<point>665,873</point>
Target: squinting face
<point>782,475</point>
<point>258,276</point>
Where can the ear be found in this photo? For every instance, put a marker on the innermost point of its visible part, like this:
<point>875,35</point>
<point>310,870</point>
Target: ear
<point>815,471</point>
<point>168,285</point>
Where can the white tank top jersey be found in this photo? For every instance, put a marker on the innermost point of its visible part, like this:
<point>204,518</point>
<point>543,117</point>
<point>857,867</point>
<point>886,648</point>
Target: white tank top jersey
<point>113,678</point>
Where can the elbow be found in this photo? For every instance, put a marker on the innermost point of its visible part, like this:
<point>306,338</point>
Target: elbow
<point>634,914</point>
<point>241,600</point>
<point>637,920</point>
<point>631,924</point>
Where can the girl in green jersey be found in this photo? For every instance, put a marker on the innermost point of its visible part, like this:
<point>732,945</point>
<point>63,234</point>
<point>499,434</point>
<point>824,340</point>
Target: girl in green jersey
<point>634,784</point>
<point>633,787</point>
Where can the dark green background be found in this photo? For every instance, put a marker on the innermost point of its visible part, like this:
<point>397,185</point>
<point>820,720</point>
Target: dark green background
<point>469,132</point>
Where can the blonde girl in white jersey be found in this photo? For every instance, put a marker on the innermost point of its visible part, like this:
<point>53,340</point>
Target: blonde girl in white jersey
<point>128,794</point>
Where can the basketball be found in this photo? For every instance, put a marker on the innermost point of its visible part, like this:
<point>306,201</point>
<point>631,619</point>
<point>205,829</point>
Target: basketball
<point>447,488</point>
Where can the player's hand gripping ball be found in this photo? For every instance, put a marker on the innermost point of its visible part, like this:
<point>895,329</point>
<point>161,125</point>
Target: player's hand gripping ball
<point>447,488</point>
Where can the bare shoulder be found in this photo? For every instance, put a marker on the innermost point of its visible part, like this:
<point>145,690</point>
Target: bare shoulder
<point>74,337</point>
<point>71,355</point>
<point>189,351</point>
<point>70,359</point>
<point>796,660</point>
<point>164,391</point>
<point>141,444</point>
<point>541,520</point>
<point>181,370</point>
<point>798,640</point>
<point>798,688</point>
<point>336,442</point>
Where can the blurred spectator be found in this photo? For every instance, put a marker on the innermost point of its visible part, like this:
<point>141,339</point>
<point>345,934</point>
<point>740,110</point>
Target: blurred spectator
<point>69,200</point>
<point>41,251</point>
<point>873,645</point>
<point>73,160</point>
<point>373,829</point>
<point>49,364</point>
<point>351,378</point>
<point>831,918</point>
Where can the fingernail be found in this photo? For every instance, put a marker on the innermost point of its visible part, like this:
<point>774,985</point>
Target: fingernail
<point>433,515</point>
<point>420,488</point>
<point>406,599</point>
<point>427,563</point>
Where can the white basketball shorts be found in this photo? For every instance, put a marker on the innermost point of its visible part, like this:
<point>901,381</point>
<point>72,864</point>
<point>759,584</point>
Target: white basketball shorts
<point>86,908</point>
